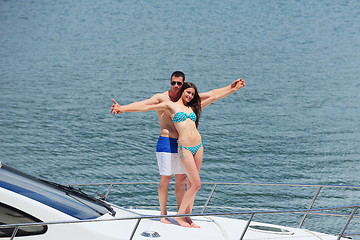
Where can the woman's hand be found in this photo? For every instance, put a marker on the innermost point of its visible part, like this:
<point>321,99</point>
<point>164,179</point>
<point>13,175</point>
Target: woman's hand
<point>238,83</point>
<point>116,108</point>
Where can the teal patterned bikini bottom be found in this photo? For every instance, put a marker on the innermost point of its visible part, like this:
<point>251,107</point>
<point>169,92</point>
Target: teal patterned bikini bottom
<point>194,149</point>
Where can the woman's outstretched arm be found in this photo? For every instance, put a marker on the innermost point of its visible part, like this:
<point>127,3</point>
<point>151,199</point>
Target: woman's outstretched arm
<point>240,83</point>
<point>150,101</point>
<point>138,107</point>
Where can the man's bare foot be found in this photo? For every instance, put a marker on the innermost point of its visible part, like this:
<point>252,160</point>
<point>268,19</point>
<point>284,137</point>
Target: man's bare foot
<point>165,220</point>
<point>182,222</point>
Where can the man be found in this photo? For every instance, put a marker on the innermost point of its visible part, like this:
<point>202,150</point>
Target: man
<point>167,148</point>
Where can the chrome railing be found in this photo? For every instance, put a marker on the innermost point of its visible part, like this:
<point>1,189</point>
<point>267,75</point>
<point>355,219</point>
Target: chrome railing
<point>308,211</point>
<point>319,188</point>
<point>139,218</point>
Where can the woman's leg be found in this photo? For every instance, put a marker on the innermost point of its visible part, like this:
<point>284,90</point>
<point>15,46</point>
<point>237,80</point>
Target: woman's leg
<point>198,157</point>
<point>192,173</point>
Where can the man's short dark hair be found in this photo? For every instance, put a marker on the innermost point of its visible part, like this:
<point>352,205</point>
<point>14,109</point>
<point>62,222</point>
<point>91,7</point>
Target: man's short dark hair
<point>178,74</point>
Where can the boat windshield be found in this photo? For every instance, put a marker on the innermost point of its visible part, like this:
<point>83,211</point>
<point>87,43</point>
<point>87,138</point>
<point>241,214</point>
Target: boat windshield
<point>68,200</point>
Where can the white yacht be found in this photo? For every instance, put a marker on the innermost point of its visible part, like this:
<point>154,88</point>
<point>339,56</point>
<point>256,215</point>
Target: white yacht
<point>33,208</point>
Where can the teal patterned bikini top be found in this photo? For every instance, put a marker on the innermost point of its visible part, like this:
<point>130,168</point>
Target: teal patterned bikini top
<point>181,116</point>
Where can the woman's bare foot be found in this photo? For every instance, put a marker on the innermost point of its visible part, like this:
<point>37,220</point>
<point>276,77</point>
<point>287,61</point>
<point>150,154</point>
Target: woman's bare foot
<point>182,222</point>
<point>165,220</point>
<point>191,223</point>
<point>194,225</point>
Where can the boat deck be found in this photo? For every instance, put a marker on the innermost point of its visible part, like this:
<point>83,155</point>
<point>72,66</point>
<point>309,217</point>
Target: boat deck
<point>221,223</point>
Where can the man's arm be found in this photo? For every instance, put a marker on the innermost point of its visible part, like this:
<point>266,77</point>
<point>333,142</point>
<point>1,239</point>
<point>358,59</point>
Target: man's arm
<point>208,94</point>
<point>116,109</point>
<point>223,92</point>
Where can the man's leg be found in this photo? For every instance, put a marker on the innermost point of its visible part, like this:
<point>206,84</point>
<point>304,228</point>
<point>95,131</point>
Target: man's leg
<point>166,154</point>
<point>180,180</point>
<point>163,190</point>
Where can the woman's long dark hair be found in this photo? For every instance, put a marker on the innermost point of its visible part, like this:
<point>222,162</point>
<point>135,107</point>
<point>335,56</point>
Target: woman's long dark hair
<point>195,103</point>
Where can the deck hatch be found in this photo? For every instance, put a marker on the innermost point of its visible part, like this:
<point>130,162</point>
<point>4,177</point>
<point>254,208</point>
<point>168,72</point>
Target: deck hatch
<point>270,229</point>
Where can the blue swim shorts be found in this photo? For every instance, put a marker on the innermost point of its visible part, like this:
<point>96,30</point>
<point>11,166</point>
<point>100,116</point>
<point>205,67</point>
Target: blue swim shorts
<point>167,156</point>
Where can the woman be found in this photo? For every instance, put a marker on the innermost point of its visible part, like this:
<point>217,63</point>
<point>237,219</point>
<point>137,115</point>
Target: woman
<point>185,114</point>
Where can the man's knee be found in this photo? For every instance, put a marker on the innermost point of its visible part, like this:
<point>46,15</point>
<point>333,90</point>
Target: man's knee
<point>180,179</point>
<point>164,181</point>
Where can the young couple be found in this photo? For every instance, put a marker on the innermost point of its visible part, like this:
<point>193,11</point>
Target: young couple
<point>179,149</point>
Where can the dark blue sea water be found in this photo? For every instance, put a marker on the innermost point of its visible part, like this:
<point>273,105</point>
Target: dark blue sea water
<point>296,121</point>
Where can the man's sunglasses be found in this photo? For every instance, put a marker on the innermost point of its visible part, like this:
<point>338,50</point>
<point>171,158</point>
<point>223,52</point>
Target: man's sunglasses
<point>177,83</point>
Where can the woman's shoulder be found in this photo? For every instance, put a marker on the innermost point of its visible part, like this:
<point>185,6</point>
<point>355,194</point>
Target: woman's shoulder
<point>180,107</point>
<point>167,103</point>
<point>170,104</point>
